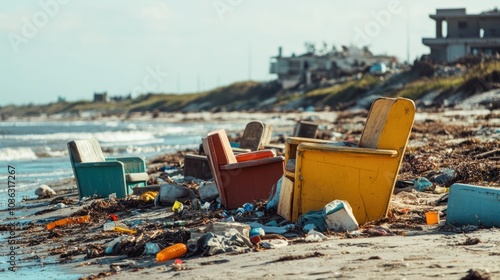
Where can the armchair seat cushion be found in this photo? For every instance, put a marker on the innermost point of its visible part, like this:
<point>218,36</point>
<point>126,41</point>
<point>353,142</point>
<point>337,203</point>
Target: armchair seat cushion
<point>137,177</point>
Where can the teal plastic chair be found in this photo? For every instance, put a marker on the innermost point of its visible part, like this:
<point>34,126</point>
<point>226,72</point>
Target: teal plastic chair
<point>100,176</point>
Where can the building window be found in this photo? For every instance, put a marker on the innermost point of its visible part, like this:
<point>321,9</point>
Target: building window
<point>462,24</point>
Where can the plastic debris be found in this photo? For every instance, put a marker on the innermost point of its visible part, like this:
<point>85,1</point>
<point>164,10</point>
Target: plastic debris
<point>124,230</point>
<point>45,191</point>
<point>110,226</point>
<point>312,217</point>
<point>339,217</point>
<point>111,245</point>
<point>444,176</point>
<point>257,232</point>
<point>274,243</point>
<point>67,221</point>
<point>113,217</point>
<point>205,206</point>
<point>211,244</point>
<point>315,236</point>
<point>177,265</point>
<point>177,207</point>
<point>171,252</point>
<point>255,239</point>
<point>308,227</point>
<point>274,198</point>
<point>260,214</point>
<point>148,196</point>
<point>151,248</point>
<point>421,184</point>
<point>268,229</point>
<point>248,207</point>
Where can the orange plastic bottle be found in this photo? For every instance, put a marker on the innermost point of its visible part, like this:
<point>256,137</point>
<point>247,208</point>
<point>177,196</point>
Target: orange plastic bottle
<point>67,221</point>
<point>171,252</point>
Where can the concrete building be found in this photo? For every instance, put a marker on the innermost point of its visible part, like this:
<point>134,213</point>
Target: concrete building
<point>311,67</point>
<point>471,34</point>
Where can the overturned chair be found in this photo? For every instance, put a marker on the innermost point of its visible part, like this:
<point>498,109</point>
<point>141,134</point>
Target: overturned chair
<point>97,175</point>
<point>318,171</point>
<point>243,177</point>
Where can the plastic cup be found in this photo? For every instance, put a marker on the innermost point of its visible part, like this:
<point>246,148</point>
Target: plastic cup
<point>432,217</point>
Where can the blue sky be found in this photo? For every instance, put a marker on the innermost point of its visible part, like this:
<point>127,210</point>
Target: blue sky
<point>72,48</point>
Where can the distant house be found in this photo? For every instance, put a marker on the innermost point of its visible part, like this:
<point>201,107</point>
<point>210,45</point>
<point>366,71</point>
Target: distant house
<point>101,97</point>
<point>310,67</point>
<point>466,34</point>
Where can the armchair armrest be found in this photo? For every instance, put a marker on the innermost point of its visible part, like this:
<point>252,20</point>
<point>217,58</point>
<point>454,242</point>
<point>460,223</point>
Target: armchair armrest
<point>131,164</point>
<point>293,142</point>
<point>250,163</point>
<point>240,150</point>
<point>291,151</point>
<point>343,149</point>
<point>109,164</point>
<point>255,155</point>
<point>298,140</point>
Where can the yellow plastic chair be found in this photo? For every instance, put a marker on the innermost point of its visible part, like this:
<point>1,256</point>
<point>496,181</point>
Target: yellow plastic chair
<point>364,175</point>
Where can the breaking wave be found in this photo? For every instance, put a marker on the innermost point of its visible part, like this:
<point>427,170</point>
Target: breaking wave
<point>23,153</point>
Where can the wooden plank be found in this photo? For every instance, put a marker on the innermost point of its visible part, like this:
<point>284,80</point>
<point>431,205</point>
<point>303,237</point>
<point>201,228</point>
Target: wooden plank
<point>286,196</point>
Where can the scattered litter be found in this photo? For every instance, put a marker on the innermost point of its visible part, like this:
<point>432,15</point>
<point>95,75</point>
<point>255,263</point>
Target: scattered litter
<point>273,200</point>
<point>274,243</point>
<point>45,191</point>
<point>315,236</point>
<point>67,221</point>
<point>432,217</point>
<point>210,244</point>
<point>110,226</point>
<point>268,229</point>
<point>151,248</point>
<point>177,207</point>
<point>339,217</point>
<point>421,184</point>
<point>257,231</point>
<point>59,206</point>
<point>148,196</point>
<point>172,252</point>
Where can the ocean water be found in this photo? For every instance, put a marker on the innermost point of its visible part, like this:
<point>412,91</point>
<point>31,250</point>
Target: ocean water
<point>38,152</point>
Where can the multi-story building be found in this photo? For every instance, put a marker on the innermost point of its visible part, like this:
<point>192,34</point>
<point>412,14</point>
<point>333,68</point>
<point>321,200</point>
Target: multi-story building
<point>466,34</point>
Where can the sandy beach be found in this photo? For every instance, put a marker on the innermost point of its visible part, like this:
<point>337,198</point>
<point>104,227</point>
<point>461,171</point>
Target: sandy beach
<point>402,246</point>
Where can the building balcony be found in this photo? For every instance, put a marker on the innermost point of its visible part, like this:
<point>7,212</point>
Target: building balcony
<point>469,41</point>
